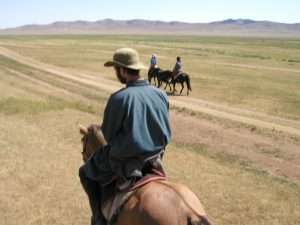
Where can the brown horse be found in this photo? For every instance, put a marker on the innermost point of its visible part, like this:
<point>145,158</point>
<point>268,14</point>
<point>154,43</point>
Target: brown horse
<point>152,74</point>
<point>156,203</point>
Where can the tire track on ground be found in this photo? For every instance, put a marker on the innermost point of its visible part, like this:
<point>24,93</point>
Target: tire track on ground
<point>110,86</point>
<point>233,117</point>
<point>60,71</point>
<point>243,112</point>
<point>50,88</point>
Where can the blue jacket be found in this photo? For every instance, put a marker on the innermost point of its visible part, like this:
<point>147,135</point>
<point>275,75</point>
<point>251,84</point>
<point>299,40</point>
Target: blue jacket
<point>178,66</point>
<point>153,61</point>
<point>136,126</point>
<point>136,121</point>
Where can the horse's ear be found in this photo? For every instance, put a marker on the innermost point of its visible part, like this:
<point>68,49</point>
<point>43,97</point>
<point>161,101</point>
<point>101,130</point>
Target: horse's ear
<point>83,130</point>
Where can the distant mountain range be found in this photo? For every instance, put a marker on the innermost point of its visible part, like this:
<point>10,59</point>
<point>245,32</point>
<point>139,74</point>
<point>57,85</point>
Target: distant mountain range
<point>230,27</point>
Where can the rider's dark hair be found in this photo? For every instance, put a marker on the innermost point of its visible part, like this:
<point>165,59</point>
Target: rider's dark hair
<point>132,72</point>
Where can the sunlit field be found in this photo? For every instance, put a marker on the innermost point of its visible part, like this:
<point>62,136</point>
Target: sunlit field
<point>258,74</point>
<point>243,176</point>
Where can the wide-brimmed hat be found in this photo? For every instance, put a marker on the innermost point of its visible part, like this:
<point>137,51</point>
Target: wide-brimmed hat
<point>126,57</point>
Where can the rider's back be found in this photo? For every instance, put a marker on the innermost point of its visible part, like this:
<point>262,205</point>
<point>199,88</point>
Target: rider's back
<point>138,121</point>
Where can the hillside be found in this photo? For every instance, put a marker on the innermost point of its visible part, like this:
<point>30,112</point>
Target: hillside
<point>230,27</point>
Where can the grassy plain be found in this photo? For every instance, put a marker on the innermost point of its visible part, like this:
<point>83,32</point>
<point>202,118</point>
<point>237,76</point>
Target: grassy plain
<point>39,114</point>
<point>258,74</point>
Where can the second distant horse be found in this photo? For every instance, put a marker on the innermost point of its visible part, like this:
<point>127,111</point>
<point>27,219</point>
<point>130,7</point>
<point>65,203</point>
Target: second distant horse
<point>162,76</point>
<point>182,78</point>
<point>166,76</point>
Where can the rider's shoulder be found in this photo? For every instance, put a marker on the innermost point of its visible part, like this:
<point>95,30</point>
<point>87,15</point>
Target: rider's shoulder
<point>160,92</point>
<point>118,95</point>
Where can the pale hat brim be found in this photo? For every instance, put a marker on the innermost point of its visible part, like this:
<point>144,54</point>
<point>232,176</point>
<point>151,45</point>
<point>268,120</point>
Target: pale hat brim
<point>137,66</point>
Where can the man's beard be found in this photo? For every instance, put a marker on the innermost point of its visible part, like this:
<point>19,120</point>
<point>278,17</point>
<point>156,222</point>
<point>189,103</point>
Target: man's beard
<point>119,76</point>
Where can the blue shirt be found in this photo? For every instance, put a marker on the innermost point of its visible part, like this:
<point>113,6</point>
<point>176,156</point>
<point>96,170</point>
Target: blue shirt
<point>136,121</point>
<point>153,61</point>
<point>178,66</point>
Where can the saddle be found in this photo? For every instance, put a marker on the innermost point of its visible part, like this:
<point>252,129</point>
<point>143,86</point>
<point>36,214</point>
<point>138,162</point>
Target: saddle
<point>177,74</point>
<point>115,196</point>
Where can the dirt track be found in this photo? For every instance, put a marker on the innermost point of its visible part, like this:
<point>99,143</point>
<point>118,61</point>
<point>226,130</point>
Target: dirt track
<point>193,104</point>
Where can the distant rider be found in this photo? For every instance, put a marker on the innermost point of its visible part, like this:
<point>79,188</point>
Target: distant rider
<point>153,63</point>
<point>177,68</point>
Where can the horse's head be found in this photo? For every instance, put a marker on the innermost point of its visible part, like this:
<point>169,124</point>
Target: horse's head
<point>92,140</point>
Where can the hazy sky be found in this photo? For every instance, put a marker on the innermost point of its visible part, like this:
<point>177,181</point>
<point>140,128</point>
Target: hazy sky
<point>19,12</point>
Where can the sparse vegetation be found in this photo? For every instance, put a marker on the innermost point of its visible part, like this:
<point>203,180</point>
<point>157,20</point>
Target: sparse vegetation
<point>254,73</point>
<point>40,112</point>
<point>12,106</point>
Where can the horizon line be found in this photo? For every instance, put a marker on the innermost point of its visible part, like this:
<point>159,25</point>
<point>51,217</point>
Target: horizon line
<point>150,20</point>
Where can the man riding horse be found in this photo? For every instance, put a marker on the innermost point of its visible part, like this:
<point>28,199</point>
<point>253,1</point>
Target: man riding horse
<point>177,68</point>
<point>153,62</point>
<point>153,68</point>
<point>136,127</point>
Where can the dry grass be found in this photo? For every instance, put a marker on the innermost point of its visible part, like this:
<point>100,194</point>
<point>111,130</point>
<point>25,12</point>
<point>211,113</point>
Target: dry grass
<point>257,74</point>
<point>40,184</point>
<point>231,194</point>
<point>40,156</point>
